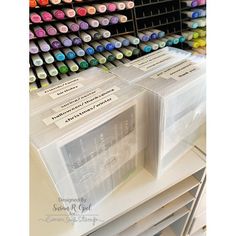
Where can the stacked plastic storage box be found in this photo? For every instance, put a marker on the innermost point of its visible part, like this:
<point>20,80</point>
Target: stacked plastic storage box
<point>92,145</point>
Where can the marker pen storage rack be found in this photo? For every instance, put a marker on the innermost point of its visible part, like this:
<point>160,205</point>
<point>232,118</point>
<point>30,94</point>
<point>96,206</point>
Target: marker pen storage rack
<point>168,17</point>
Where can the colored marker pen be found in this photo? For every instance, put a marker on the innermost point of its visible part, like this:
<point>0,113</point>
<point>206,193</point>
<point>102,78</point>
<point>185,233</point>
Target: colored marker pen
<point>85,37</point>
<point>37,60</point>
<point>70,13</point>
<point>201,12</point>
<point>193,44</point>
<point>31,35</point>
<point>143,37</point>
<point>94,34</point>
<point>116,43</point>
<point>72,65</point>
<point>191,14</point>
<point>75,39</point>
<point>88,49</point>
<point>101,8</point>
<point>63,69</point>
<point>111,7</point>
<point>201,22</point>
<point>65,40</point>
<point>92,22</point>
<point>91,60</point>
<point>188,35</point>
<point>98,47</point>
<point>61,28</point>
<point>102,20</point>
<point>33,86</point>
<point>125,42</point>
<point>44,83</point>
<point>32,77</point>
<point>108,56</point>
<point>152,35</point>
<point>126,52</point>
<point>191,24</point>
<point>202,42</point>
<point>55,2</point>
<point>82,63</point>
<point>104,33</point>
<point>48,58</point>
<point>72,26</point>
<point>43,45</point>
<point>55,43</point>
<point>112,19</point>
<point>129,4</point>
<point>107,45</point>
<point>168,42</point>
<point>153,45</point>
<point>42,2</point>
<point>59,55</point>
<point>33,48</point>
<point>101,59</point>
<point>32,3</point>
<point>50,30</point>
<point>82,24</point>
<point>161,43</point>
<point>90,10</point>
<point>120,5</point>
<point>69,53</point>
<point>190,3</point>
<point>174,40</point>
<point>35,18</point>
<point>135,51</point>
<point>179,37</point>
<point>46,16</point>
<point>160,33</point>
<point>40,72</point>
<point>58,14</point>
<point>39,32</point>
<point>52,71</point>
<point>118,55</point>
<point>122,18</point>
<point>202,33</point>
<point>79,51</point>
<point>81,11</point>
<point>133,40</point>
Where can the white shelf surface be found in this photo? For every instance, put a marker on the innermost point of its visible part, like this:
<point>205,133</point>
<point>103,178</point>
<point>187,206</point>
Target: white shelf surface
<point>136,191</point>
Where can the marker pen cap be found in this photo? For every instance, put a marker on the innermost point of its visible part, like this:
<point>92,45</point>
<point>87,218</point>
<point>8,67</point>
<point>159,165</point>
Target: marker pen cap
<point>126,52</point>
<point>32,76</point>
<point>101,59</point>
<point>31,35</point>
<point>91,60</point>
<point>181,38</point>
<point>154,46</point>
<point>94,34</point>
<point>191,24</point>
<point>201,22</point>
<point>88,49</point>
<point>42,2</point>
<point>202,33</point>
<point>62,67</point>
<point>40,72</point>
<point>110,7</point>
<point>129,4</point>
<point>33,86</point>
<point>58,14</point>
<point>92,22</point>
<point>50,30</point>
<point>72,26</point>
<point>98,47</point>
<point>44,83</point>
<point>82,24</point>
<point>125,42</point>
<point>33,48</point>
<point>90,10</point>
<point>79,51</point>
<point>82,63</point>
<point>81,11</point>
<point>143,37</point>
<point>46,16</point>
<point>55,2</point>
<point>116,43</point>
<point>85,37</point>
<point>161,43</point>
<point>44,46</point>
<point>118,55</point>
<point>61,27</point>
<point>174,40</point>
<point>101,8</point>
<point>65,40</point>
<point>112,19</point>
<point>75,39</point>
<point>107,45</point>
<point>109,56</point>
<point>193,44</point>
<point>55,43</point>
<point>39,32</point>
<point>122,18</point>
<point>104,33</point>
<point>70,13</point>
<point>200,12</point>
<point>35,18</point>
<point>103,20</point>
<point>52,71</point>
<point>192,14</point>
<point>69,53</point>
<point>201,42</point>
<point>135,51</point>
<point>37,60</point>
<point>195,35</point>
<point>48,58</point>
<point>32,3</point>
<point>72,65</point>
<point>120,5</point>
<point>133,40</point>
<point>59,55</point>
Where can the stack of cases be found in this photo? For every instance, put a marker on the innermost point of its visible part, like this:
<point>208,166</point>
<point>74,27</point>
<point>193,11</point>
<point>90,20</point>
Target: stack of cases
<point>56,92</point>
<point>176,109</point>
<point>93,145</point>
<point>149,64</point>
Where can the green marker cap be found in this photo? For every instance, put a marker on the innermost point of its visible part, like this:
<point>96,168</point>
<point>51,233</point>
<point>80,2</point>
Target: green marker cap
<point>63,69</point>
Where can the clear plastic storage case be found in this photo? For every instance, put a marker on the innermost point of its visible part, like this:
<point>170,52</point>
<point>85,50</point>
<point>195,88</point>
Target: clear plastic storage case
<point>149,64</point>
<point>177,103</point>
<point>93,141</point>
<point>43,98</point>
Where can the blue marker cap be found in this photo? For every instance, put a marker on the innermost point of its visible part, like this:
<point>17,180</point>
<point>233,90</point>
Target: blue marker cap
<point>145,38</point>
<point>118,44</point>
<point>70,55</point>
<point>109,46</point>
<point>100,48</point>
<point>175,41</point>
<point>125,42</point>
<point>154,36</point>
<point>60,57</point>
<point>161,34</point>
<point>169,42</point>
<point>195,15</point>
<point>181,39</point>
<point>90,51</point>
<point>147,48</point>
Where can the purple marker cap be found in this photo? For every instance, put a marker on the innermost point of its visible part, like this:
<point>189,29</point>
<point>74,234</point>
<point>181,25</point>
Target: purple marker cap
<point>73,27</point>
<point>56,44</point>
<point>114,20</point>
<point>145,38</point>
<point>194,3</point>
<point>83,25</point>
<point>77,41</point>
<point>154,36</point>
<point>67,42</point>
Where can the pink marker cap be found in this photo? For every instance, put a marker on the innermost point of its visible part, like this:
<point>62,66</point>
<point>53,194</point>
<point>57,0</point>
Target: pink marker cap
<point>46,16</point>
<point>58,14</point>
<point>35,18</point>
<point>111,6</point>
<point>39,32</point>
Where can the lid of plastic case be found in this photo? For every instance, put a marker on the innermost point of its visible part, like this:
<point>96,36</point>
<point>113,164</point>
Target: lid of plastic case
<point>82,111</point>
<point>149,64</point>
<point>56,92</point>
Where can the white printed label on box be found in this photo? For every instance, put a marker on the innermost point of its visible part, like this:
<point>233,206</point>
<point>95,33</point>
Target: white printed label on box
<point>85,111</point>
<point>151,61</point>
<point>178,71</point>
<point>59,86</point>
<point>79,105</point>
<point>66,90</point>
